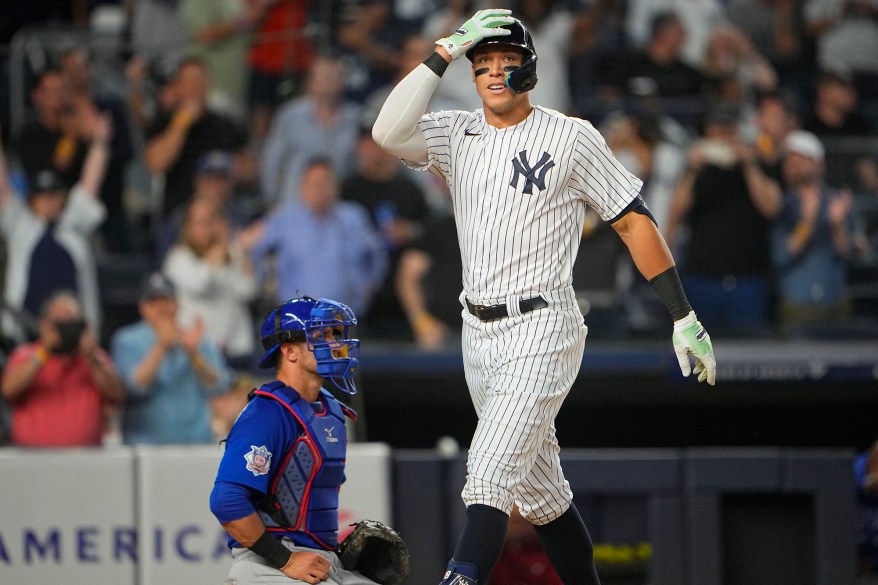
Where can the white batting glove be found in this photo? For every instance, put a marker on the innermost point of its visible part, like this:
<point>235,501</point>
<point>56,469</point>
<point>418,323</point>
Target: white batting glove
<point>691,337</point>
<point>484,23</point>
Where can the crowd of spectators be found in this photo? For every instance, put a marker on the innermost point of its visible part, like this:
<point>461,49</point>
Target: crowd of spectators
<point>227,145</point>
<point>224,149</point>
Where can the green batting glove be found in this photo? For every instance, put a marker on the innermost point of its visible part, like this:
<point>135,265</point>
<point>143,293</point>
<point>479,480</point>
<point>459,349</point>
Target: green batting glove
<point>484,23</point>
<point>691,337</point>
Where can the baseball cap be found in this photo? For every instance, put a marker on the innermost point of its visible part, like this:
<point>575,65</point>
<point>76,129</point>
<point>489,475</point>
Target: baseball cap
<point>215,162</point>
<point>46,180</point>
<point>835,72</point>
<point>805,144</point>
<point>157,286</point>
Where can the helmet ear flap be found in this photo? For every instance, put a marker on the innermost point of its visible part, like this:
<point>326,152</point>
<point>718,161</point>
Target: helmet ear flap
<point>524,78</point>
<point>277,334</point>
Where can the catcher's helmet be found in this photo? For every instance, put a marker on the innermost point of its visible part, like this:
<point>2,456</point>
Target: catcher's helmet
<point>305,319</point>
<point>525,77</point>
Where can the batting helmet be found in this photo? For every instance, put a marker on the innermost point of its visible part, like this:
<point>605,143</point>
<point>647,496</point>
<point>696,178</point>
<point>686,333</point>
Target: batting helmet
<point>523,78</point>
<point>305,319</point>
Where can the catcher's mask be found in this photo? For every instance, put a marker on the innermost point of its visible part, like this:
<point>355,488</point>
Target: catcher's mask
<point>523,78</point>
<point>306,319</point>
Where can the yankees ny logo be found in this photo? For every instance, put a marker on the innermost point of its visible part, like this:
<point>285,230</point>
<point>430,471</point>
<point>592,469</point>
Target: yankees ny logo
<point>535,175</point>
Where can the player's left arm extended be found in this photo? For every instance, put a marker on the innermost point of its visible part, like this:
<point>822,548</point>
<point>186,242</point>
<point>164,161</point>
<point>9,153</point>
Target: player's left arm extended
<point>645,243</point>
<point>655,262</point>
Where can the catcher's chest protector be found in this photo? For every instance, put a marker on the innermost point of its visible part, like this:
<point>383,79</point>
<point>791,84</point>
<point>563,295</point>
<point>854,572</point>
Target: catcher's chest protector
<point>304,492</point>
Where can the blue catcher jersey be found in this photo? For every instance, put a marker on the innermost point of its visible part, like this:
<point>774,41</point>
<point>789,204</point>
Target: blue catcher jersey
<point>290,453</point>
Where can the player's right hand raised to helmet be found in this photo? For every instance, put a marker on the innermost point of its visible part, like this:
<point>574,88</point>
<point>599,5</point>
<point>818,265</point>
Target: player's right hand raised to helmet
<point>690,337</point>
<point>484,23</point>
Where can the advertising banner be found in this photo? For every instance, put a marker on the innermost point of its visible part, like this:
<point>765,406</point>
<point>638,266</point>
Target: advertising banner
<point>119,516</point>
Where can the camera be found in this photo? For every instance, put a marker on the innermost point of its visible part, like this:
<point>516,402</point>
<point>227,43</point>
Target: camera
<point>718,152</point>
<point>70,332</point>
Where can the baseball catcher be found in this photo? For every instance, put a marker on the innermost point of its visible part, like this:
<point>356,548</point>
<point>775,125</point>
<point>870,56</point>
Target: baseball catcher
<point>376,551</point>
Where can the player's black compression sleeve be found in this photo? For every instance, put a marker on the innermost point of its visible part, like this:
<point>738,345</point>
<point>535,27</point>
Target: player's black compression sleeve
<point>670,289</point>
<point>270,549</point>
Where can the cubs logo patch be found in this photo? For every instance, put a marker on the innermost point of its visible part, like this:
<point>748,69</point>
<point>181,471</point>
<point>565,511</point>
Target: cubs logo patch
<point>258,460</point>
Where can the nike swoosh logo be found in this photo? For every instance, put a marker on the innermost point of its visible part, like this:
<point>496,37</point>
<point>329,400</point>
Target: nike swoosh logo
<point>468,133</point>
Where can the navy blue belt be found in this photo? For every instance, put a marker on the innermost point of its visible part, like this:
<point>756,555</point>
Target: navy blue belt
<point>493,312</point>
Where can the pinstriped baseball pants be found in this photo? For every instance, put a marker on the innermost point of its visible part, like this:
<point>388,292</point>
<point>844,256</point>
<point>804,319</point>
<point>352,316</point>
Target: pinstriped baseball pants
<point>519,370</point>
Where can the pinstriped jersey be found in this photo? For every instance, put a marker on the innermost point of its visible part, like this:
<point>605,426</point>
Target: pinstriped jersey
<point>519,195</point>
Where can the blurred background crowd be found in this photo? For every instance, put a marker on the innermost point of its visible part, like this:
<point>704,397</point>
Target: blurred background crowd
<point>224,148</point>
<point>172,169</point>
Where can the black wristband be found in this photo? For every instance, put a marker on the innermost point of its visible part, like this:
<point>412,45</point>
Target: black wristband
<point>271,549</point>
<point>436,63</point>
<point>670,290</point>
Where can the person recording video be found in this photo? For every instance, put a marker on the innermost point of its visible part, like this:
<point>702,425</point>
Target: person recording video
<point>727,201</point>
<point>63,386</point>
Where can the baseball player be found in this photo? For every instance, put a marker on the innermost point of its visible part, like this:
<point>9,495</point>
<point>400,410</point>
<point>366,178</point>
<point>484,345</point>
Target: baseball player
<point>521,177</point>
<point>276,490</point>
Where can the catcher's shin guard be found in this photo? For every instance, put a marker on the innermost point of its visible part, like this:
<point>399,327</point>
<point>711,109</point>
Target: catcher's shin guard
<point>460,574</point>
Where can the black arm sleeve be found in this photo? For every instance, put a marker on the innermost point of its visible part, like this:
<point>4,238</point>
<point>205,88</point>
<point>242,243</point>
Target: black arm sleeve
<point>670,289</point>
<point>270,548</point>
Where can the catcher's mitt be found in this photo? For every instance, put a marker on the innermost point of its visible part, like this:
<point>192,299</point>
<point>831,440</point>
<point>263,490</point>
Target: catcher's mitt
<point>376,551</point>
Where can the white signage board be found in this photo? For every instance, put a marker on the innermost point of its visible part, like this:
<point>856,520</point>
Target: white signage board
<point>67,516</point>
<point>122,517</point>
